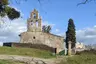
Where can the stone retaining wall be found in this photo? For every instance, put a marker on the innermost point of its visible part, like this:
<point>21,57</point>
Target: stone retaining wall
<point>29,45</point>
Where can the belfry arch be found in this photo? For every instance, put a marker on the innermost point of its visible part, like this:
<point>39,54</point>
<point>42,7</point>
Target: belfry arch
<point>34,23</point>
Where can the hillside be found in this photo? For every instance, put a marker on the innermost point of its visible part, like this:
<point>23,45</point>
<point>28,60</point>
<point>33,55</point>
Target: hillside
<point>85,57</point>
<point>26,52</point>
<point>10,62</point>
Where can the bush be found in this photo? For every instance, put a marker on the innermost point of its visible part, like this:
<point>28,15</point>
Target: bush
<point>62,52</point>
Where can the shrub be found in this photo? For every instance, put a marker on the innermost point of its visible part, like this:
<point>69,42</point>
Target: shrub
<point>62,52</point>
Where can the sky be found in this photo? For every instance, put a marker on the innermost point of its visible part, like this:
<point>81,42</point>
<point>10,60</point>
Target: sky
<point>55,13</point>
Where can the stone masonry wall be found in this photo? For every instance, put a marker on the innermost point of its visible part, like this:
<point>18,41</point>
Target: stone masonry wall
<point>43,38</point>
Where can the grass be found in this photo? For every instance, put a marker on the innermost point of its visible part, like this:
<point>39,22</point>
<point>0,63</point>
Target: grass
<point>84,58</point>
<point>10,62</point>
<point>26,52</point>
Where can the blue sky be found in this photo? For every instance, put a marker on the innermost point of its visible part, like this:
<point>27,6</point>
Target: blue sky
<point>57,13</point>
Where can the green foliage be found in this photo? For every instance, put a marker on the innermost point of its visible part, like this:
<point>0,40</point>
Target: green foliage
<point>46,28</point>
<point>12,13</point>
<point>6,10</point>
<point>70,33</point>
<point>26,52</point>
<point>4,2</point>
<point>62,52</point>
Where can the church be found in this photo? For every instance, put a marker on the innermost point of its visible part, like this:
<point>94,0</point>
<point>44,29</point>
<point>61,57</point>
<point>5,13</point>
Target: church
<point>35,35</point>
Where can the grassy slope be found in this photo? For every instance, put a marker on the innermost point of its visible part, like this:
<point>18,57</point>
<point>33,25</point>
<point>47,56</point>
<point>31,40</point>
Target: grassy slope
<point>26,52</point>
<point>80,59</point>
<point>10,62</point>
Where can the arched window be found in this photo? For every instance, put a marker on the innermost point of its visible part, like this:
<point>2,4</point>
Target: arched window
<point>34,16</point>
<point>36,23</point>
<point>32,23</point>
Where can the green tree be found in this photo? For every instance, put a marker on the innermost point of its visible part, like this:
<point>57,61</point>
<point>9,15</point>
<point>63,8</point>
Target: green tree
<point>6,10</point>
<point>70,33</point>
<point>46,28</point>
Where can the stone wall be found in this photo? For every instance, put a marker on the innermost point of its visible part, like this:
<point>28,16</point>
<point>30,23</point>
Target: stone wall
<point>43,38</point>
<point>29,45</point>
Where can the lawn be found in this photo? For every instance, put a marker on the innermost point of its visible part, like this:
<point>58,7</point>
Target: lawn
<point>26,52</point>
<point>84,58</point>
<point>10,62</point>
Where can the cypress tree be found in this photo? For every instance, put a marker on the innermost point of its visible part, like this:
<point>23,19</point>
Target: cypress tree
<point>70,33</point>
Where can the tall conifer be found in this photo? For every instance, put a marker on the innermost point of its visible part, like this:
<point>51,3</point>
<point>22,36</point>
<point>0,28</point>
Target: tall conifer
<point>70,33</point>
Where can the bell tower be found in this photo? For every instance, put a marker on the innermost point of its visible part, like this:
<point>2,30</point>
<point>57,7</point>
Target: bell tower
<point>34,23</point>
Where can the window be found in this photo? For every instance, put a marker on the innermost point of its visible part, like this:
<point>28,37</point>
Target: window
<point>34,16</point>
<point>19,34</point>
<point>36,23</point>
<point>34,37</point>
<point>32,23</point>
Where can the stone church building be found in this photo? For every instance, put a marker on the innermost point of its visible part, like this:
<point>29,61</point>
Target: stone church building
<point>35,35</point>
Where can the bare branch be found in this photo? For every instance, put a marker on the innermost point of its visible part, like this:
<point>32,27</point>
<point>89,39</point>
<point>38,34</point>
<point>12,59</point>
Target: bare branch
<point>82,2</point>
<point>86,1</point>
<point>39,1</point>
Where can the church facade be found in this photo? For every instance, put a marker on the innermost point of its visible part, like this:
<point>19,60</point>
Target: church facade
<point>35,35</point>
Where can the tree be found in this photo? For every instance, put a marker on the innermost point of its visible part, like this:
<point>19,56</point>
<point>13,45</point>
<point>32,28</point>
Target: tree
<point>46,28</point>
<point>6,10</point>
<point>70,33</point>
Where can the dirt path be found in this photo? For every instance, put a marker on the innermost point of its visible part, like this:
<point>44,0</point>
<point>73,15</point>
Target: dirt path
<point>29,60</point>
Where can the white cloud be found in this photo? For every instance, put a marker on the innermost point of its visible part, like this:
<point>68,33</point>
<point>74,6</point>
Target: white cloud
<point>61,34</point>
<point>95,26</point>
<point>11,29</point>
<point>47,23</point>
<point>57,30</point>
<point>87,35</point>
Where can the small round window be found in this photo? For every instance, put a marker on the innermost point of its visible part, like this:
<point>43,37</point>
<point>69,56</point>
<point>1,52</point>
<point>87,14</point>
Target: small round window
<point>34,37</point>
